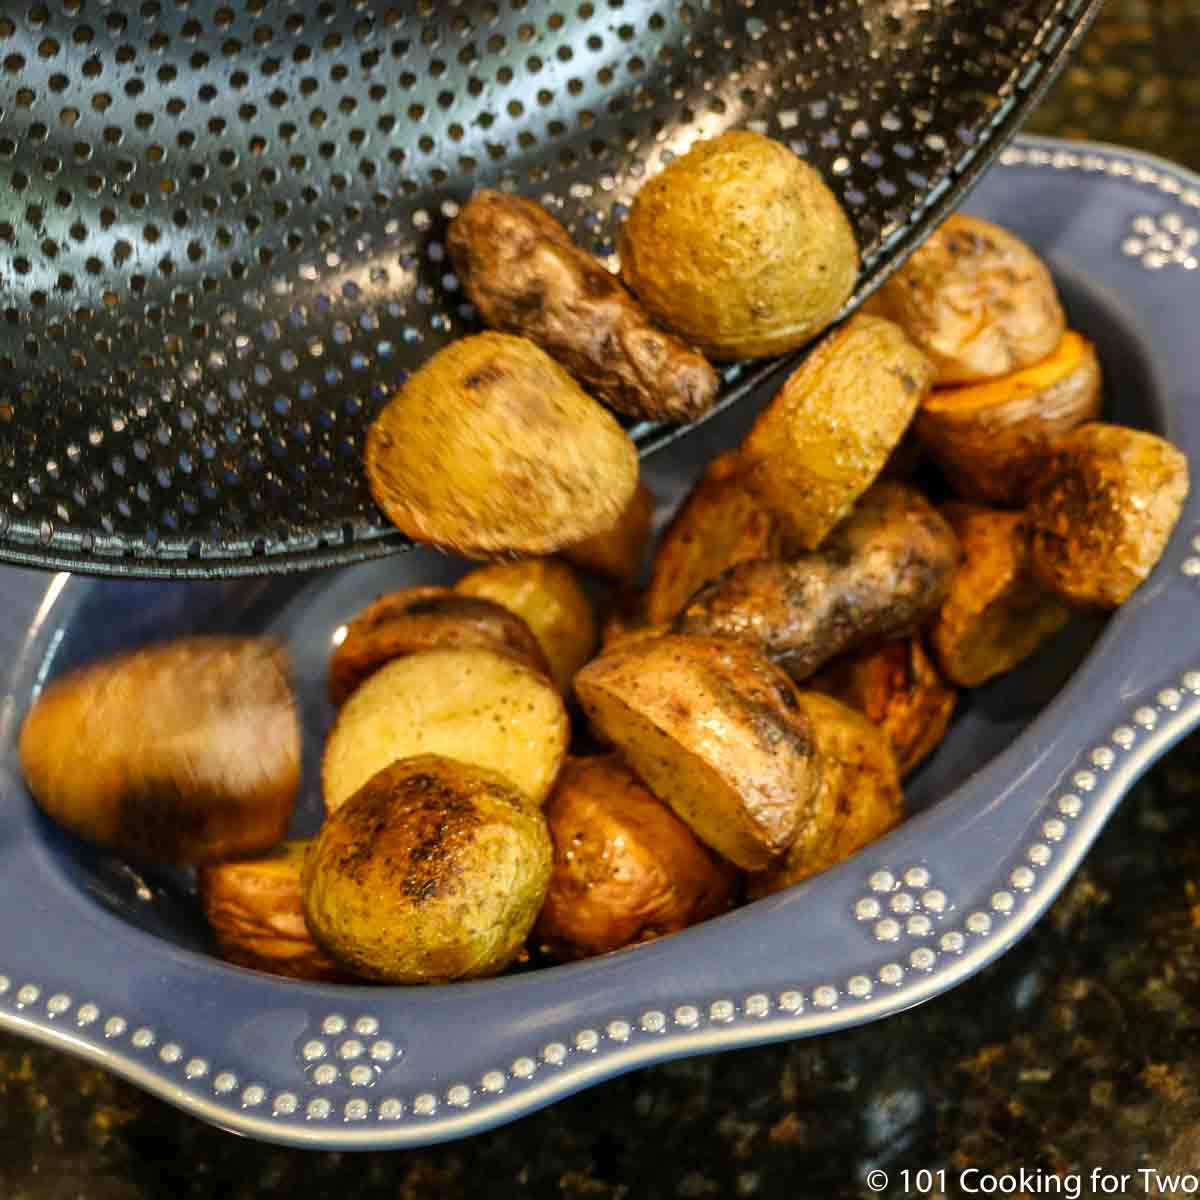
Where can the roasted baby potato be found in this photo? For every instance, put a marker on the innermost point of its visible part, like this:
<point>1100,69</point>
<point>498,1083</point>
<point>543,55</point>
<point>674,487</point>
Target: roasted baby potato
<point>832,427</point>
<point>895,686</point>
<point>881,573</point>
<point>858,801</point>
<point>626,869</point>
<point>433,870</point>
<point>471,704</point>
<point>547,596</point>
<point>1102,512</point>
<point>182,752</point>
<point>992,439</point>
<point>255,911</point>
<point>976,300</point>
<point>715,731</point>
<point>618,552</point>
<point>523,273</point>
<point>491,448</point>
<point>740,247</point>
<point>425,618</point>
<point>719,524</point>
<point>996,613</point>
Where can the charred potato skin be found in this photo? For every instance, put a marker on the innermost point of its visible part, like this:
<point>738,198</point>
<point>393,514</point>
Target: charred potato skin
<point>255,910</point>
<point>714,731</point>
<point>991,452</point>
<point>976,300</point>
<point>881,573</point>
<point>740,247</point>
<point>433,871</point>
<point>523,273</point>
<point>830,430</point>
<point>416,619</point>
<point>617,553</point>
<point>626,869</point>
<point>491,448</point>
<point>859,799</point>
<point>1103,511</point>
<point>181,752</point>
<point>896,686</point>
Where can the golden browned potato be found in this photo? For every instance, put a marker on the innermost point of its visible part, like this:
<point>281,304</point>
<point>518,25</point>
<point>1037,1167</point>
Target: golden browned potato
<point>976,300</point>
<point>548,597</point>
<point>491,448</point>
<point>881,573</point>
<point>993,438</point>
<point>618,552</point>
<point>626,614</point>
<point>719,524</point>
<point>996,613</point>
<point>471,704</point>
<point>626,869</point>
<point>858,801</point>
<point>740,247</point>
<point>434,870</point>
<point>254,909</point>
<point>523,273</point>
<point>182,752</point>
<point>895,686</point>
<point>832,427</point>
<point>1102,512</point>
<point>715,731</point>
<point>425,618</point>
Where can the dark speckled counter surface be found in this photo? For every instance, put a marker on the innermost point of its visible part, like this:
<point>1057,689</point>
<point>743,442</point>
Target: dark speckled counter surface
<point>1077,1052</point>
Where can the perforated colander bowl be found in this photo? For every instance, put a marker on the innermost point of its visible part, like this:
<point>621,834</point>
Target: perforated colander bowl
<point>221,230</point>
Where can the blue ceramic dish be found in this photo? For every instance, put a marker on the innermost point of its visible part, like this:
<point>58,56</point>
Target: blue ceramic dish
<point>113,966</point>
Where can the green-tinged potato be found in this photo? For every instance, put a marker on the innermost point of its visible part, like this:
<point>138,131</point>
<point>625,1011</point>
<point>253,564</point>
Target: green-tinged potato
<point>1102,512</point>
<point>491,448</point>
<point>254,909</point>
<point>181,752</point>
<point>858,801</point>
<point>472,704</point>
<point>715,731</point>
<point>618,552</point>
<point>740,247</point>
<point>434,870</point>
<point>832,427</point>
<point>626,869</point>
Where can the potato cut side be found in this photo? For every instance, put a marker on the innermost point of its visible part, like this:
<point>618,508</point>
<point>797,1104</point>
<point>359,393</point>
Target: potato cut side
<point>716,732</point>
<point>992,439</point>
<point>833,425</point>
<point>618,552</point>
<point>472,705</point>
<point>491,448</point>
<point>996,613</point>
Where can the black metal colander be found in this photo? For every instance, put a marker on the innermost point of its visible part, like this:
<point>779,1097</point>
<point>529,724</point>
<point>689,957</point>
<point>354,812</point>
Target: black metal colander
<point>221,227</point>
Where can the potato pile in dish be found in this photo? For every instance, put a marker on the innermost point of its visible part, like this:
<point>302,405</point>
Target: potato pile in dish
<point>514,772</point>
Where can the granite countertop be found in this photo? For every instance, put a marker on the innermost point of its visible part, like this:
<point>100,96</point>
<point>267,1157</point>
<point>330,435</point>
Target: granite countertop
<point>1079,1050</point>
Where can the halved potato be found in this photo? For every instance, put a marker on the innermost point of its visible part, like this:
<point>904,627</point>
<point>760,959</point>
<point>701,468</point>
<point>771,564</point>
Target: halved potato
<point>618,552</point>
<point>993,438</point>
<point>473,705</point>
<point>996,613</point>
<point>715,731</point>
<point>1102,512</point>
<point>547,596</point>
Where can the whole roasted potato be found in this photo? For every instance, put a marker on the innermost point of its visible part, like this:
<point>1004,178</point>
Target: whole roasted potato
<point>858,801</point>
<point>182,752</point>
<point>1102,512</point>
<point>626,869</point>
<point>491,448</point>
<point>433,870</point>
<point>715,731</point>
<point>255,911</point>
<point>523,273</point>
<point>425,618</point>
<point>881,573</point>
<point>976,300</point>
<point>740,247</point>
